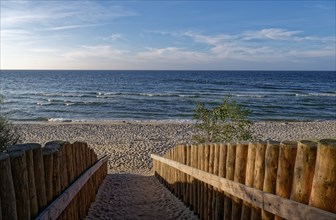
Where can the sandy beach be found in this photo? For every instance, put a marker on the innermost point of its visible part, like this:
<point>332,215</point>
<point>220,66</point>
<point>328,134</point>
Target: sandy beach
<point>130,191</point>
<point>129,145</point>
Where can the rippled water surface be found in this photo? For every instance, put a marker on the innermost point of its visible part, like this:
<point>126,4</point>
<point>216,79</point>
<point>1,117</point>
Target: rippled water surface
<point>164,95</point>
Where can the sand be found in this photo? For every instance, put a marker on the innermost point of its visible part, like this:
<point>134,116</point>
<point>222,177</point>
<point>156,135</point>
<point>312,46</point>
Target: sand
<point>130,191</point>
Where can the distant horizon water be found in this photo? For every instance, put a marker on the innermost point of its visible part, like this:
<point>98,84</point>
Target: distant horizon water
<point>164,95</point>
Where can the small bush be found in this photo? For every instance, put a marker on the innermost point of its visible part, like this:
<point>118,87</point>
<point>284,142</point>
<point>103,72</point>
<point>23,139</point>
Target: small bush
<point>223,123</point>
<point>8,136</point>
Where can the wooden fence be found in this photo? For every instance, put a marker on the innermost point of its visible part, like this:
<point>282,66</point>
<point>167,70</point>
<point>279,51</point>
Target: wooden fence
<point>57,181</point>
<point>258,180</point>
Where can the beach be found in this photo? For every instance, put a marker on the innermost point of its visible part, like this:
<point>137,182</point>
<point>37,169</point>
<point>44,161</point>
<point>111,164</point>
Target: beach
<point>130,144</point>
<point>130,191</point>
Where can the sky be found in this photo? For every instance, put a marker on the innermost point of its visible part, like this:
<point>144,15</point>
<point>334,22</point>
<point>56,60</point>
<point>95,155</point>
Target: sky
<point>168,35</point>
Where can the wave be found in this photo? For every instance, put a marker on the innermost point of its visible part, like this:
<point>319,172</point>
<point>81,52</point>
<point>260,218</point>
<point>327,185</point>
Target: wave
<point>59,120</point>
<point>250,95</point>
<point>316,94</point>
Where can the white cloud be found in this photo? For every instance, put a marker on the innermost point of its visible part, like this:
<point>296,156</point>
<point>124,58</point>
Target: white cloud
<point>98,51</point>
<point>271,33</point>
<point>113,37</point>
<point>49,14</point>
<point>67,27</point>
<point>212,40</point>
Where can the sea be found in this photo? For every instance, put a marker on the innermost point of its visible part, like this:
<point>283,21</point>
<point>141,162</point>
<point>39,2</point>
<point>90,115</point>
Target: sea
<point>95,95</point>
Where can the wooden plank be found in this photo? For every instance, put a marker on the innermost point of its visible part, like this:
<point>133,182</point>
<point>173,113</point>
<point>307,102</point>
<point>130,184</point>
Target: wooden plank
<point>57,207</point>
<point>282,207</point>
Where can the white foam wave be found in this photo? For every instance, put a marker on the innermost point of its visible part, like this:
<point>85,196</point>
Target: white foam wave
<point>59,120</point>
<point>317,94</point>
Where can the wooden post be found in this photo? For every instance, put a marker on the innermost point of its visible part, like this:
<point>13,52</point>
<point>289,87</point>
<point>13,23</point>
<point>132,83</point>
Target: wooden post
<point>323,194</point>
<point>200,155</point>
<point>215,194</point>
<point>48,172</point>
<point>7,192</point>
<point>239,176</point>
<point>70,163</point>
<point>178,175</point>
<point>39,178</point>
<point>230,166</point>
<point>20,180</point>
<point>189,178</point>
<point>60,145</point>
<point>211,205</point>
<point>271,167</point>
<point>285,172</point>
<point>28,148</point>
<point>221,173</point>
<point>304,171</point>
<point>206,186</point>
<point>259,174</point>
<point>251,156</point>
<point>194,154</point>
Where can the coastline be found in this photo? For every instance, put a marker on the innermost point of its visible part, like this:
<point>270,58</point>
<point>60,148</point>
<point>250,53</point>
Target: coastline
<point>129,144</point>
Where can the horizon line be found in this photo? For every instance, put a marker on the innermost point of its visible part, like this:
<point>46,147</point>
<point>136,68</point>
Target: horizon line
<point>161,70</point>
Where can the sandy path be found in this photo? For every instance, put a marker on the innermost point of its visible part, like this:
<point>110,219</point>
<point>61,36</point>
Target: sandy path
<point>130,196</point>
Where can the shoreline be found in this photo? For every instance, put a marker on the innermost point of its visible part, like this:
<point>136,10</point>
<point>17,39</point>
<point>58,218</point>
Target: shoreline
<point>164,121</point>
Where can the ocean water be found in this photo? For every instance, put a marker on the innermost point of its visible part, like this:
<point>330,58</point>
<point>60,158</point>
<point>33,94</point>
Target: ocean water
<point>164,95</point>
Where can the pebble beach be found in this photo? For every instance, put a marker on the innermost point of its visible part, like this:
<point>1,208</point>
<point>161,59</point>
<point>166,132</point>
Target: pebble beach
<point>130,191</point>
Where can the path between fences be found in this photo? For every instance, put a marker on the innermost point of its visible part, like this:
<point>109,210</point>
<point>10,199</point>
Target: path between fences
<point>129,196</point>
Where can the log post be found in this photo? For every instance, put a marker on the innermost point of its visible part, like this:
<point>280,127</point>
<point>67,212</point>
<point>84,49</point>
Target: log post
<point>194,163</point>
<point>251,155</point>
<point>28,148</point>
<point>215,194</point>
<point>200,154</point>
<point>7,192</point>
<point>20,180</point>
<point>230,166</point>
<point>39,178</point>
<point>210,188</point>
<point>221,173</point>
<point>189,178</point>
<point>323,194</point>
<point>48,172</point>
<point>304,171</point>
<point>271,167</point>
<point>206,186</point>
<point>259,174</point>
<point>285,172</point>
<point>239,176</point>
<point>60,146</point>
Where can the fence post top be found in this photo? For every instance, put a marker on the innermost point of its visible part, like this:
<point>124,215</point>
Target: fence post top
<point>289,143</point>
<point>328,142</point>
<point>48,151</point>
<point>17,153</point>
<point>28,146</point>
<point>308,143</point>
<point>55,144</point>
<point>3,156</point>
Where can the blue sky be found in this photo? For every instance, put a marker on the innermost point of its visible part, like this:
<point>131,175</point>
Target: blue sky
<point>202,35</point>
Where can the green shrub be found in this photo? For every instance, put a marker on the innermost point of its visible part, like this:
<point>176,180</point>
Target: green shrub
<point>223,123</point>
<point>8,136</point>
